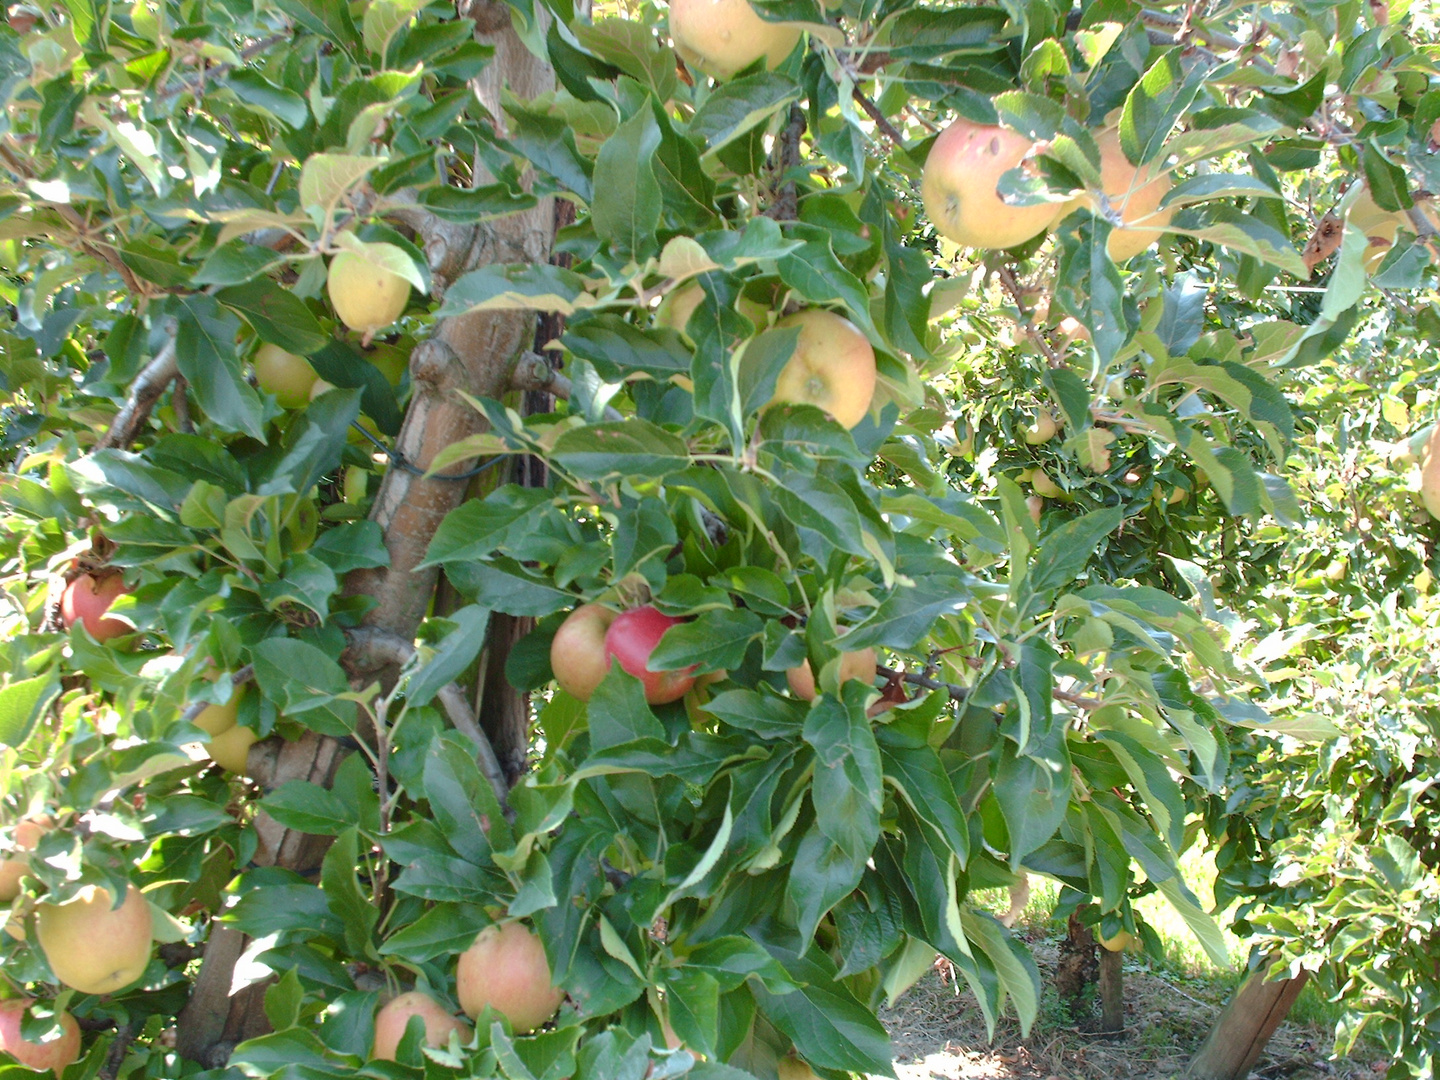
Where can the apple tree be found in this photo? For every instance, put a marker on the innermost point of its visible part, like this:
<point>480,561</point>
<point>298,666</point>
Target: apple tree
<point>519,509</point>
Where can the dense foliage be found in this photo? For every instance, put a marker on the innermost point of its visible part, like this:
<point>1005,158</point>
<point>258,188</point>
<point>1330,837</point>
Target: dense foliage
<point>733,879</point>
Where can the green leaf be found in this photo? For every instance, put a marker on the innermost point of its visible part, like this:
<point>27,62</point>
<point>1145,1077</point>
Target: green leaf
<point>739,105</point>
<point>479,527</point>
<point>441,931</point>
<point>627,202</point>
<point>278,315</point>
<point>462,801</point>
<point>760,366</point>
<point>328,18</point>
<point>501,288</point>
<point>1012,961</point>
<point>829,1027</point>
<point>1033,794</point>
<point>205,352</point>
<point>1156,102</point>
<point>254,89</point>
<point>283,999</point>
<point>715,640</point>
<point>296,675</point>
<point>1088,284</point>
<point>308,808</point>
<point>22,703</point>
<point>384,19</point>
<point>848,786</point>
<point>633,447</point>
<point>1385,179</point>
<point>464,637</point>
<point>344,897</point>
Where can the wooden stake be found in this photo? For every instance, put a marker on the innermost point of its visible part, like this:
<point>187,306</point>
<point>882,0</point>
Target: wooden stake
<point>1112,990</point>
<point>1238,1038</point>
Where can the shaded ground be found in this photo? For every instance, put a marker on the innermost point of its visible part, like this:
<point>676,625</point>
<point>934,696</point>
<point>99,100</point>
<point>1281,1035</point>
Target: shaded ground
<point>939,1034</point>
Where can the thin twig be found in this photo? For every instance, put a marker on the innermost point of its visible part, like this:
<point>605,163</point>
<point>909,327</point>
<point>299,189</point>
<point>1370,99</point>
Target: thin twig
<point>881,121</point>
<point>1012,286</point>
<point>248,53</point>
<point>382,647</point>
<point>961,694</point>
<point>180,400</point>
<point>146,390</point>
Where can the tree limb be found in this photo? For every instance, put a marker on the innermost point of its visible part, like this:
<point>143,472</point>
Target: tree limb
<point>376,648</point>
<point>144,392</point>
<point>533,373</point>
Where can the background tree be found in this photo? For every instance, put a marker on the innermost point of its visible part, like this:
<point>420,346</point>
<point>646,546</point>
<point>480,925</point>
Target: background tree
<point>263,259</point>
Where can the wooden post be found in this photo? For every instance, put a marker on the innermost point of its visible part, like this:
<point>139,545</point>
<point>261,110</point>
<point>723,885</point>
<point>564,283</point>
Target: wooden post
<point>1112,990</point>
<point>1236,1041</point>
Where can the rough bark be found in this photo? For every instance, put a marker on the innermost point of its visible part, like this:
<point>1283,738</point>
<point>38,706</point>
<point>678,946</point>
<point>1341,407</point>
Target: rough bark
<point>1077,967</point>
<point>475,353</point>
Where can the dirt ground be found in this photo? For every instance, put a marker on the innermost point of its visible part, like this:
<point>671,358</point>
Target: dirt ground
<point>939,1034</point>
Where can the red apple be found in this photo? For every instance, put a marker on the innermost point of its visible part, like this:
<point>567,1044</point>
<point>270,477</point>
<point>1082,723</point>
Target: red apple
<point>631,639</point>
<point>87,599</point>
<point>577,654</point>
<point>54,1053</point>
<point>390,1023</point>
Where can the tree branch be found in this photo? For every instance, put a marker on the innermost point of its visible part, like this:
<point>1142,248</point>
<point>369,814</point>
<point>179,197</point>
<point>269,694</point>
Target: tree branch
<point>1012,286</point>
<point>144,392</point>
<point>882,123</point>
<point>376,648</point>
<point>533,373</point>
<point>961,694</point>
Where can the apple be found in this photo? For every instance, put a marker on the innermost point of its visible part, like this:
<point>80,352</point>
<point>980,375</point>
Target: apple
<point>366,297</point>
<point>792,1068</point>
<point>1118,942</point>
<point>675,310</point>
<point>356,481</point>
<point>631,638</point>
<point>577,653</point>
<point>1430,473</point>
<point>1034,505</point>
<point>12,869</point>
<point>832,367</point>
<point>1043,485</point>
<point>721,37</point>
<point>91,947</point>
<point>958,187</point>
<point>1135,193</point>
<point>1043,430</point>
<point>390,1023</point>
<point>216,719</point>
<point>506,969</point>
<point>320,386</point>
<point>53,1054</point>
<point>287,376</point>
<point>1380,228</point>
<point>87,599</point>
<point>853,665</point>
<point>231,748</point>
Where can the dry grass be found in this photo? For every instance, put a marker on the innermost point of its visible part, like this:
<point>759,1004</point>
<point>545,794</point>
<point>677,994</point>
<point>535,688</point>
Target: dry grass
<point>939,1034</point>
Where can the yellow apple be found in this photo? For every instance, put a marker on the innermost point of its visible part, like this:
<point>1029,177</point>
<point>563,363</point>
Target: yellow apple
<point>677,307</point>
<point>1430,474</point>
<point>12,869</point>
<point>1044,428</point>
<point>390,1023</point>
<point>287,376</point>
<point>366,297</point>
<point>215,719</point>
<point>792,1068</point>
<point>91,947</point>
<point>958,187</point>
<point>506,969</point>
<point>853,665</point>
<point>832,368</point>
<point>721,37</point>
<point>231,748</point>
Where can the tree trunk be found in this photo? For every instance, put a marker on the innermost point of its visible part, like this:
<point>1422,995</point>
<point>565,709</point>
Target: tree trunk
<point>475,353</point>
<point>1238,1038</point>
